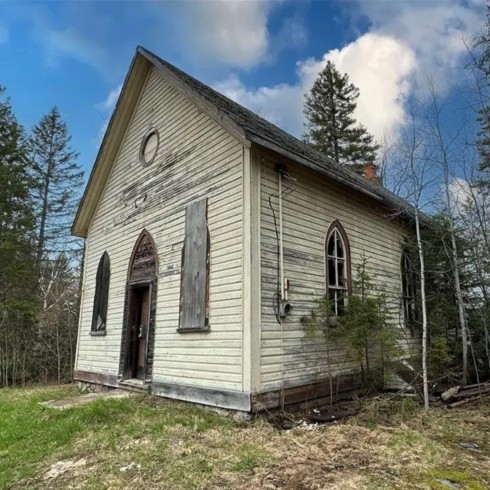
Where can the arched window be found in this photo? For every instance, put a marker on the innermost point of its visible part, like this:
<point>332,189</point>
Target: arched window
<point>338,268</point>
<point>101,297</point>
<point>409,289</point>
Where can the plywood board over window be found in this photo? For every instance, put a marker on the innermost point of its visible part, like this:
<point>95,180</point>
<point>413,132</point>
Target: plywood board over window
<point>194,312</point>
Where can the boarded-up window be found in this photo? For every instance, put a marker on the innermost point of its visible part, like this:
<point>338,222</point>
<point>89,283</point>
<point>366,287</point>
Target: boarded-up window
<point>101,297</point>
<point>194,288</point>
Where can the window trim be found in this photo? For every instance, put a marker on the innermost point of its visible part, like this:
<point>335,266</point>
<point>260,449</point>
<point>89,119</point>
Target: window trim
<point>99,294</point>
<point>337,226</point>
<point>135,279</point>
<point>144,141</point>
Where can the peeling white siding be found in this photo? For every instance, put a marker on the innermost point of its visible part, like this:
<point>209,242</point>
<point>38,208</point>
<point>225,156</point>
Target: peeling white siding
<point>196,158</point>
<point>308,212</point>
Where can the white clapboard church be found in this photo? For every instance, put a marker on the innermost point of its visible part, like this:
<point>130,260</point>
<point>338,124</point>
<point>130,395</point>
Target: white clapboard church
<point>209,233</point>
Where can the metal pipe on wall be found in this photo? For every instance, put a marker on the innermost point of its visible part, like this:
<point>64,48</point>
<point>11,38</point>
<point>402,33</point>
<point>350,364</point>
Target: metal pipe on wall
<point>281,243</point>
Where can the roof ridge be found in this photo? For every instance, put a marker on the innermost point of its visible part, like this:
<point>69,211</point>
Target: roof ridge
<point>264,130</point>
<point>231,101</point>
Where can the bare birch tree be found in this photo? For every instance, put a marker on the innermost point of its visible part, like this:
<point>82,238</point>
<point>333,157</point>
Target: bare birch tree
<point>444,146</point>
<point>411,150</point>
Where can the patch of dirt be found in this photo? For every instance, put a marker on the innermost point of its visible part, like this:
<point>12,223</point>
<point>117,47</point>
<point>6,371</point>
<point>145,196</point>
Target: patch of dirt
<point>62,467</point>
<point>311,418</point>
<point>83,399</point>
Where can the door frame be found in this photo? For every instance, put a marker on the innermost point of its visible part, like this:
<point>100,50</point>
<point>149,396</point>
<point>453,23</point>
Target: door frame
<point>138,278</point>
<point>128,369</point>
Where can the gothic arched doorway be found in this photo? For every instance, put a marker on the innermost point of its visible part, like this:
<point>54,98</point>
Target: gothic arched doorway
<point>139,316</point>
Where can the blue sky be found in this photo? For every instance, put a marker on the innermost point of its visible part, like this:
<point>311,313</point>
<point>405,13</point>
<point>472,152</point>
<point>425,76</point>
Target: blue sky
<point>264,54</point>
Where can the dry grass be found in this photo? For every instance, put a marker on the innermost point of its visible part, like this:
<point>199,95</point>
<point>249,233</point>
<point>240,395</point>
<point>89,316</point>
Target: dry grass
<point>154,444</point>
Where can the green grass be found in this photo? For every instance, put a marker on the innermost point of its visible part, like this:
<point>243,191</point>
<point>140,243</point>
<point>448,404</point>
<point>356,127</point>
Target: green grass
<point>146,442</point>
<point>29,433</point>
<point>464,478</point>
<point>110,434</point>
<point>251,457</point>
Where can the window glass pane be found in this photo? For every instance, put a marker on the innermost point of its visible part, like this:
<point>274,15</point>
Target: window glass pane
<point>340,246</point>
<point>331,273</point>
<point>341,273</point>
<point>331,245</point>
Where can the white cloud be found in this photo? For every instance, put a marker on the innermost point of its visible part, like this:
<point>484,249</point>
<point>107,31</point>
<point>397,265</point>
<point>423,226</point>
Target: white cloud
<point>280,104</point>
<point>382,81</point>
<point>81,34</point>
<point>69,43</point>
<point>110,101</point>
<point>436,31</point>
<point>293,33</point>
<point>407,42</point>
<point>461,195</point>
<point>230,32</point>
<point>107,107</point>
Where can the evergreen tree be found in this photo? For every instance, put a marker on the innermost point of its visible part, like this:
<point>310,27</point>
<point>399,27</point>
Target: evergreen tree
<point>57,179</point>
<point>330,127</point>
<point>16,220</point>
<point>482,47</point>
<point>17,279</point>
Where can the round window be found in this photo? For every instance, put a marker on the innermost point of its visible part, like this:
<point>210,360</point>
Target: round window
<point>149,147</point>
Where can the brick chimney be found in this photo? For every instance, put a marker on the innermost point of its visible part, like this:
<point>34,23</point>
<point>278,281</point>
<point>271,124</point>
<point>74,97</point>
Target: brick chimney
<point>370,172</point>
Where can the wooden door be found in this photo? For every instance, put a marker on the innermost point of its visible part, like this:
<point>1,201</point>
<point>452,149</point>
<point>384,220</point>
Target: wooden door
<point>143,327</point>
<point>138,332</point>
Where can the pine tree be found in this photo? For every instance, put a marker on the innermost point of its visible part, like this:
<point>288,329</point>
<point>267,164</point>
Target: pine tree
<point>16,220</point>
<point>482,61</point>
<point>330,127</point>
<point>58,178</point>
<point>17,279</point>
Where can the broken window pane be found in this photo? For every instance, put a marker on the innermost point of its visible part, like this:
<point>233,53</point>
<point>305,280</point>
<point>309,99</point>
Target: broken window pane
<point>337,271</point>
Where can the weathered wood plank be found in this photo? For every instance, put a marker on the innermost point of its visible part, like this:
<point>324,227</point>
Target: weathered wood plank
<point>286,356</point>
<point>195,268</point>
<point>197,159</point>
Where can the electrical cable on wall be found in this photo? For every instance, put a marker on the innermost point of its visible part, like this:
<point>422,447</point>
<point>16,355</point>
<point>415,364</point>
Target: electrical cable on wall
<point>277,296</point>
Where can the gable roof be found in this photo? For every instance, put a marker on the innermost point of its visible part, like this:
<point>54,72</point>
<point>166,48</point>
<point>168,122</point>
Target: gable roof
<point>246,125</point>
<point>264,133</point>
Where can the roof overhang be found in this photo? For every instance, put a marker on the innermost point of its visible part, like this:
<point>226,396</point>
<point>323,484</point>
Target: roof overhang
<point>141,64</point>
<point>111,143</point>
